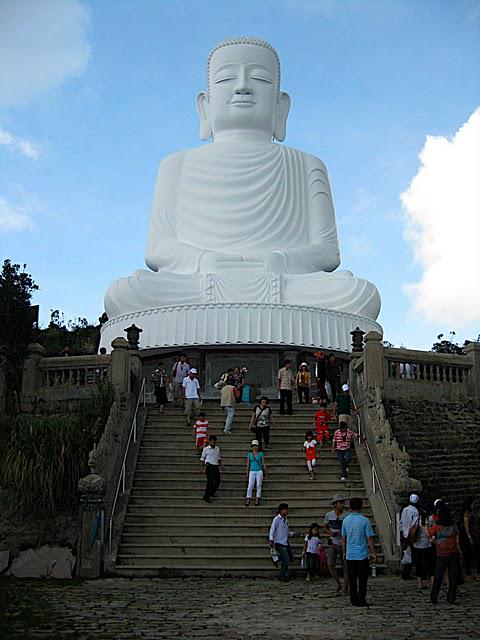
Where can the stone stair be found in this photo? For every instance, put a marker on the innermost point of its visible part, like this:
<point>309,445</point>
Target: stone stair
<point>169,530</point>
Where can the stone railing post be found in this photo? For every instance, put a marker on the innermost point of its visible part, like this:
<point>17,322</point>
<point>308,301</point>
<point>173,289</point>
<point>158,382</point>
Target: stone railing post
<point>92,526</point>
<point>472,350</point>
<point>373,360</point>
<point>119,371</point>
<point>31,376</point>
<point>135,371</point>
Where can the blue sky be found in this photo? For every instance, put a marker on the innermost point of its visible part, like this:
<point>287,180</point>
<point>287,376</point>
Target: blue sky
<point>94,94</point>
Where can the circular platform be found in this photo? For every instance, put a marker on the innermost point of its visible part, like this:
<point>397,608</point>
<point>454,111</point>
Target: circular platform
<point>239,323</point>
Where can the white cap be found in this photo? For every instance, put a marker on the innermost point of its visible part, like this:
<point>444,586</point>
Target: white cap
<point>255,442</point>
<point>345,387</point>
<point>304,364</point>
<point>414,498</point>
<point>193,370</point>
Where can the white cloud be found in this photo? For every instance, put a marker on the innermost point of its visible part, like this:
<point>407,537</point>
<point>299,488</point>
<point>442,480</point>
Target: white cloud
<point>442,213</point>
<point>12,218</point>
<point>41,45</point>
<point>19,144</point>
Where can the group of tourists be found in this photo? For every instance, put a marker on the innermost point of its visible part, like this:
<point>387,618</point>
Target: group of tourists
<point>438,546</point>
<point>327,375</point>
<point>261,422</point>
<point>351,541</point>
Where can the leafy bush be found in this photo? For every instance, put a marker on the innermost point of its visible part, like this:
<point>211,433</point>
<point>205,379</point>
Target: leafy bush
<point>44,460</point>
<point>93,412</point>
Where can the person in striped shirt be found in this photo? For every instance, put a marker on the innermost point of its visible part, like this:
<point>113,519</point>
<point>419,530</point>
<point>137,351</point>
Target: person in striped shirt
<point>200,431</point>
<point>342,442</point>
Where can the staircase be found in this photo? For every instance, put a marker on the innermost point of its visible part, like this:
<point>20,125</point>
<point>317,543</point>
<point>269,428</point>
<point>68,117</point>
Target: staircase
<point>169,530</point>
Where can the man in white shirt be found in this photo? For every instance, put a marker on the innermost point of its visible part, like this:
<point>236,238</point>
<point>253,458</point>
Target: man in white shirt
<point>180,370</point>
<point>278,539</point>
<point>191,396</point>
<point>410,515</point>
<point>211,460</point>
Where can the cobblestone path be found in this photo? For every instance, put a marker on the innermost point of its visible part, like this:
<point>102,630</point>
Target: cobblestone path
<point>230,608</point>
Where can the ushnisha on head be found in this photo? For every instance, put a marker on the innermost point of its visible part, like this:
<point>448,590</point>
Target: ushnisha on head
<point>243,101</point>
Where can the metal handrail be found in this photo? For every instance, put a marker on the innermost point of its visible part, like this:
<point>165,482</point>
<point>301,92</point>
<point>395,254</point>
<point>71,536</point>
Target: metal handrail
<point>121,478</point>
<point>375,479</point>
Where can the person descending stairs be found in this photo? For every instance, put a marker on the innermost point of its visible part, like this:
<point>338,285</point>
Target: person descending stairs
<point>170,530</point>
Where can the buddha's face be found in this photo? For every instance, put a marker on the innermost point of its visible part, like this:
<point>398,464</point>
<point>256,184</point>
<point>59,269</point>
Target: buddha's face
<point>243,91</point>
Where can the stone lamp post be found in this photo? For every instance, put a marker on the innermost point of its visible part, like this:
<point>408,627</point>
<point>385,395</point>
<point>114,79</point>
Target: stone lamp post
<point>357,340</point>
<point>133,335</point>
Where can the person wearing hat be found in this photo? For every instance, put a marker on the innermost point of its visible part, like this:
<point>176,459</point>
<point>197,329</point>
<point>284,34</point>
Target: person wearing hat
<point>191,396</point>
<point>409,518</point>
<point>302,380</point>
<point>343,405</point>
<point>332,526</point>
<point>256,470</point>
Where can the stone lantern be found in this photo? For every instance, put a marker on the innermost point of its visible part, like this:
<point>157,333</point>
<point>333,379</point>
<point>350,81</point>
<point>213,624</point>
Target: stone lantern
<point>357,340</point>
<point>133,335</point>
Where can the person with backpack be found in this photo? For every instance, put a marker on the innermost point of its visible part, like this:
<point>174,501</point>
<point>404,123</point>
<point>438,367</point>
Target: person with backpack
<point>409,521</point>
<point>261,422</point>
<point>343,405</point>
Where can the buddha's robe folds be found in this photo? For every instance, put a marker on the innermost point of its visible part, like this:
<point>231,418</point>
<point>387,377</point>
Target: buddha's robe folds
<point>267,209</point>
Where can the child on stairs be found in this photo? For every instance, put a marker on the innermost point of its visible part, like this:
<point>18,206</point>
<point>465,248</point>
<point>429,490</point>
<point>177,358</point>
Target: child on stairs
<point>200,431</point>
<point>311,549</point>
<point>310,447</point>
<point>320,421</point>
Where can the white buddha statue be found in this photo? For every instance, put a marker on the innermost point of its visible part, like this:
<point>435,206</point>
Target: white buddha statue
<point>242,219</point>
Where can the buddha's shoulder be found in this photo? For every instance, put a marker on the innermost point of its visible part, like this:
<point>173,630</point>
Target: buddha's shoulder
<point>312,162</point>
<point>204,152</point>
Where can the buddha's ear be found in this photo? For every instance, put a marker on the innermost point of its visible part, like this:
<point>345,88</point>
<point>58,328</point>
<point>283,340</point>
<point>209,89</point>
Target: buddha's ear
<point>202,108</point>
<point>281,115</point>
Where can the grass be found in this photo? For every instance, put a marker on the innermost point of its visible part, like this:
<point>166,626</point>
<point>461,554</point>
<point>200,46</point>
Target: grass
<point>44,460</point>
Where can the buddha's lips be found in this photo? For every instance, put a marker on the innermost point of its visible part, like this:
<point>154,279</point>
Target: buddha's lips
<point>241,101</point>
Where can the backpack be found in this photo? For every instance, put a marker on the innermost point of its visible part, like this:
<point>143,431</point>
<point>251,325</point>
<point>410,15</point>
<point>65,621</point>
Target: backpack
<point>263,417</point>
<point>413,531</point>
<point>157,376</point>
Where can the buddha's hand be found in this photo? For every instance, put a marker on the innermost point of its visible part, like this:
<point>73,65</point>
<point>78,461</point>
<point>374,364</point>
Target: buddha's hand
<point>213,262</point>
<point>275,262</point>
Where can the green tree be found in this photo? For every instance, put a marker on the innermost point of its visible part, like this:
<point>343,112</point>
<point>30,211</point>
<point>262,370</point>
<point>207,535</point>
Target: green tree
<point>447,346</point>
<point>16,319</point>
<point>76,337</point>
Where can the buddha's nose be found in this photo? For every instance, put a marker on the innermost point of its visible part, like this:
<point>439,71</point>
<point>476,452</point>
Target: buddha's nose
<point>242,85</point>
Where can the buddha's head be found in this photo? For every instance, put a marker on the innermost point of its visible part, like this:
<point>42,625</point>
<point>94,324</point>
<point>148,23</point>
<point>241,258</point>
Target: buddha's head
<point>243,95</point>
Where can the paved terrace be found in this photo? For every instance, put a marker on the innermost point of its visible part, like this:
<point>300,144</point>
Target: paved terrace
<point>119,608</point>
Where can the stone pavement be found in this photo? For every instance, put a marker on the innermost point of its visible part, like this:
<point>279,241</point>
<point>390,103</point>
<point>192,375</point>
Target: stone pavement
<point>117,608</point>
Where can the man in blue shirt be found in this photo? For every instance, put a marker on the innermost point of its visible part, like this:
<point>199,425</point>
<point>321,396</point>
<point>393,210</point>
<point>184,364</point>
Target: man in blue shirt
<point>278,539</point>
<point>357,538</point>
